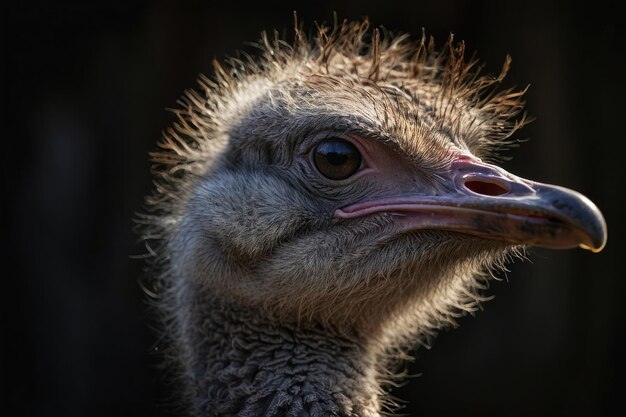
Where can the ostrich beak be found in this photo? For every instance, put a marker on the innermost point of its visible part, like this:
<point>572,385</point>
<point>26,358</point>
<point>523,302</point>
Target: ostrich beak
<point>486,201</point>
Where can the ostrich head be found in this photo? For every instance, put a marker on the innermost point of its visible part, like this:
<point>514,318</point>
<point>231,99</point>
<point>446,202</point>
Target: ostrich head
<point>343,187</point>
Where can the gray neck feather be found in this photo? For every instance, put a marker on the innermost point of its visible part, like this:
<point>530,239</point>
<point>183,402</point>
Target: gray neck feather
<point>240,364</point>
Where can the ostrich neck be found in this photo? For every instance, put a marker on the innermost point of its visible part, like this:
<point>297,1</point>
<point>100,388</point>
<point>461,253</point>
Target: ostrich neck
<point>243,365</point>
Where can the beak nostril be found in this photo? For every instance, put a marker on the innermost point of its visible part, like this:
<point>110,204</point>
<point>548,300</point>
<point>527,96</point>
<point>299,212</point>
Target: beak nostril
<point>485,187</point>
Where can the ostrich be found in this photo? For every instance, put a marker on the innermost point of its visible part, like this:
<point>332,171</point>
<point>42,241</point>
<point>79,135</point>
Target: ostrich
<point>323,207</point>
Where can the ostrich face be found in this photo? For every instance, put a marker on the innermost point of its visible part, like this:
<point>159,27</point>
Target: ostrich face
<point>336,199</point>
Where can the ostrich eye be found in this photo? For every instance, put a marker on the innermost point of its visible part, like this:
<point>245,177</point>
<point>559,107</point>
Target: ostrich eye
<point>337,159</point>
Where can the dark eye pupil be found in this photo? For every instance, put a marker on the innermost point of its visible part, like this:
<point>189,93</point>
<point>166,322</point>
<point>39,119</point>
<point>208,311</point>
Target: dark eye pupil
<point>337,159</point>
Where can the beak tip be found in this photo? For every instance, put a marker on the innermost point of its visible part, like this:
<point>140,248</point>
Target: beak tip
<point>595,248</point>
<point>598,239</point>
<point>595,234</point>
<point>583,216</point>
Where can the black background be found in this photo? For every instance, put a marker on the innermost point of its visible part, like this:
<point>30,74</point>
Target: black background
<point>85,85</point>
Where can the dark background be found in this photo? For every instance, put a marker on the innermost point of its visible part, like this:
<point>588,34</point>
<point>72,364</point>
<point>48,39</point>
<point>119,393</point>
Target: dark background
<point>84,89</point>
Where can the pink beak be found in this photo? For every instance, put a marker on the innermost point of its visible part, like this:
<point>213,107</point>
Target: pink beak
<point>487,201</point>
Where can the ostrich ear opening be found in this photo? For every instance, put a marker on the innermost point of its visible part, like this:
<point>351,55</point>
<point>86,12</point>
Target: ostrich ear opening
<point>486,201</point>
